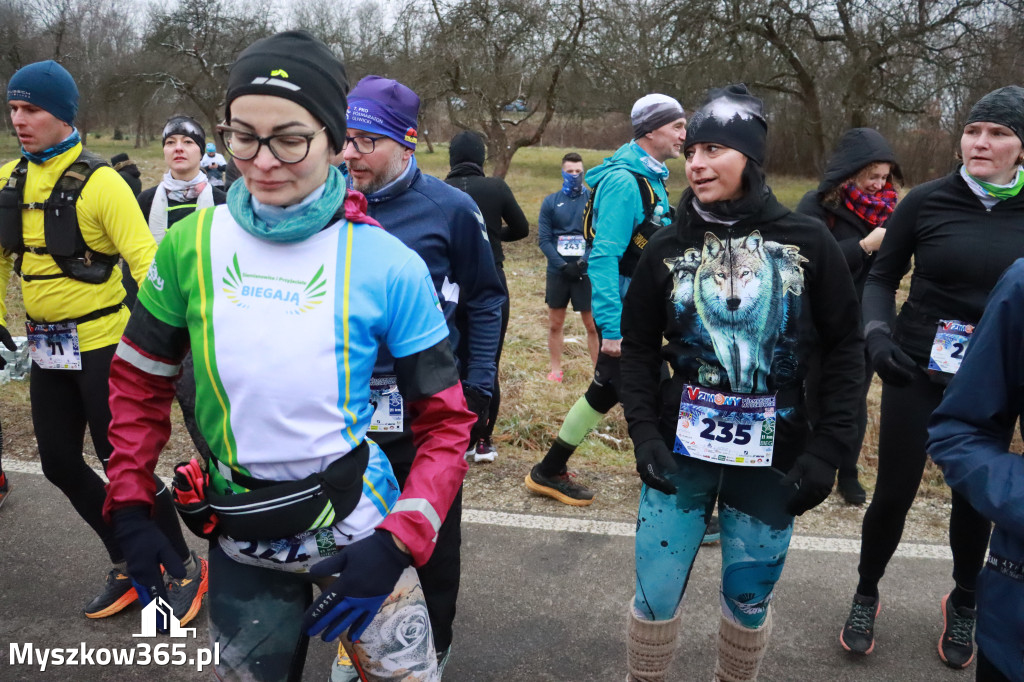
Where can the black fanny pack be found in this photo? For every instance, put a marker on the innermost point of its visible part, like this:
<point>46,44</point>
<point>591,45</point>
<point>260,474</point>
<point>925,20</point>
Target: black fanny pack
<point>272,509</point>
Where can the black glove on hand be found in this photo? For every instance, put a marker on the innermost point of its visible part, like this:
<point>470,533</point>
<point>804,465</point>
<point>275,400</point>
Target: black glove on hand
<point>145,548</point>
<point>891,364</point>
<point>480,405</point>
<point>5,338</point>
<point>574,271</point>
<point>814,478</point>
<point>369,570</point>
<point>654,462</point>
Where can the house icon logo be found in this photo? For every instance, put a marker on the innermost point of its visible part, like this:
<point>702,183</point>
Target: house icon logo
<point>157,616</point>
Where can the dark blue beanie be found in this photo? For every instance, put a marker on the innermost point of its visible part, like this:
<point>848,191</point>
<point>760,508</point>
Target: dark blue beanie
<point>49,86</point>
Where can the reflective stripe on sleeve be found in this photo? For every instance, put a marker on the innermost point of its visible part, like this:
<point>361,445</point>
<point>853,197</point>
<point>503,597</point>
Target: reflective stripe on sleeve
<point>147,365</point>
<point>419,505</point>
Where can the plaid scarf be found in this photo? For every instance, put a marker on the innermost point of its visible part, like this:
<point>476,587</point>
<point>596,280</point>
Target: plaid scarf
<point>874,209</point>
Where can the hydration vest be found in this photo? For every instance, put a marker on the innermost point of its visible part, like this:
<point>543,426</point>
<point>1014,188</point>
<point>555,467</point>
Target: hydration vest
<point>642,232</point>
<point>62,233</point>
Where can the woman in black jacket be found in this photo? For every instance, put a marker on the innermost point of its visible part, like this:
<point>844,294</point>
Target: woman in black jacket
<point>855,198</point>
<point>961,232</point>
<point>735,295</point>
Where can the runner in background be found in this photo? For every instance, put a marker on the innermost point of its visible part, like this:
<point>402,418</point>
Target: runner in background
<point>560,236</point>
<point>73,300</point>
<point>729,294</point>
<point>505,222</point>
<point>855,198</point>
<point>960,232</point>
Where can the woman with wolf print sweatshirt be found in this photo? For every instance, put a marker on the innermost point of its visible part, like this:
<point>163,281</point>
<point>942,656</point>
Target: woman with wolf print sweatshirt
<point>961,231</point>
<point>735,296</point>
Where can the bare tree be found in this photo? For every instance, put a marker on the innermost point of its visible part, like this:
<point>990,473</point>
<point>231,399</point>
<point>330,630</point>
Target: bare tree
<point>501,62</point>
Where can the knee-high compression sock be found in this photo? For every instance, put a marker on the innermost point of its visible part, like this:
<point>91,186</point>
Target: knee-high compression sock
<point>650,647</point>
<point>741,650</point>
<point>582,418</point>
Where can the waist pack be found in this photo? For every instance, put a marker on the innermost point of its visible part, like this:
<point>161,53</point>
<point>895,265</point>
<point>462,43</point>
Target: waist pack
<point>280,509</point>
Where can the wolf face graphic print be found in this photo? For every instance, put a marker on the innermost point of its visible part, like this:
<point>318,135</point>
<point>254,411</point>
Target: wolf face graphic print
<point>738,292</point>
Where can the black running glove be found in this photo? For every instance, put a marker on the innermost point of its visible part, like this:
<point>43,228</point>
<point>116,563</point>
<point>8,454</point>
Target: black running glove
<point>480,405</point>
<point>814,478</point>
<point>655,462</point>
<point>145,548</point>
<point>574,271</point>
<point>368,572</point>
<point>5,338</point>
<point>891,364</point>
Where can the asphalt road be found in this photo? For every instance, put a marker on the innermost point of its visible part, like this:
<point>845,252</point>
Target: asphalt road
<point>542,599</point>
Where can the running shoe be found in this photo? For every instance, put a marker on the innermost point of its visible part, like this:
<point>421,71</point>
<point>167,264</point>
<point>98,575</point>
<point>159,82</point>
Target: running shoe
<point>561,487</point>
<point>5,488</point>
<point>852,491</point>
<point>185,595</point>
<point>485,452</point>
<point>116,595</point>
<point>713,533</point>
<point>342,669</point>
<point>858,634</point>
<point>555,375</point>
<point>956,645</point>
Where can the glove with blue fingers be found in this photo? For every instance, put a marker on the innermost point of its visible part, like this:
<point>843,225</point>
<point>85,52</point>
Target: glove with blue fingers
<point>368,572</point>
<point>5,338</point>
<point>814,478</point>
<point>654,462</point>
<point>145,548</point>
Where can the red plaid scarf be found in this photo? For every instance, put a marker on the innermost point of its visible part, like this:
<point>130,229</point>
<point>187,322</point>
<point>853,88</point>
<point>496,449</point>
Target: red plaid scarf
<point>874,209</point>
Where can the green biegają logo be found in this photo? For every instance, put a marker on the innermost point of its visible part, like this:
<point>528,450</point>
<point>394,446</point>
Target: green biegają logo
<point>247,289</point>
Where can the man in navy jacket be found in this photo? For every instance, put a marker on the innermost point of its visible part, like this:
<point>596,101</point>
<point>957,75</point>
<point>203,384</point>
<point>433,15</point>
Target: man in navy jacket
<point>443,226</point>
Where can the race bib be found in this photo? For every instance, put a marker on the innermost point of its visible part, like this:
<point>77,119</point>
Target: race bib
<point>293,555</point>
<point>571,245</point>
<point>949,346</point>
<point>726,428</point>
<point>387,404</point>
<point>54,346</point>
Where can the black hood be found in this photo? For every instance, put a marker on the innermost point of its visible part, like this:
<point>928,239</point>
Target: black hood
<point>467,146</point>
<point>857,148</point>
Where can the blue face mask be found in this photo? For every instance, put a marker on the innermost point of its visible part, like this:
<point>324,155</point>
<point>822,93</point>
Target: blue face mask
<point>572,185</point>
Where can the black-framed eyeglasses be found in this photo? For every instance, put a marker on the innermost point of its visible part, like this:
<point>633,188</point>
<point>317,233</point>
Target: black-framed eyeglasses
<point>286,147</point>
<point>364,144</point>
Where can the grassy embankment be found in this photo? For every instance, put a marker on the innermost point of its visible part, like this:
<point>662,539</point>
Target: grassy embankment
<point>532,407</point>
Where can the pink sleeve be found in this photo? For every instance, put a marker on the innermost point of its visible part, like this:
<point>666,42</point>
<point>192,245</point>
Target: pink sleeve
<point>441,435</point>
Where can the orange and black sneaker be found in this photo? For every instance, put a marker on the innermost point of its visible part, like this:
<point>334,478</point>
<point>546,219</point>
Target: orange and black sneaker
<point>185,595</point>
<point>116,595</point>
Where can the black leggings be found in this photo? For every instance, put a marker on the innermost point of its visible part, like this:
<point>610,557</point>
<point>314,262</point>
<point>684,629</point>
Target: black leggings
<point>64,402</point>
<point>901,459</point>
<point>492,414</point>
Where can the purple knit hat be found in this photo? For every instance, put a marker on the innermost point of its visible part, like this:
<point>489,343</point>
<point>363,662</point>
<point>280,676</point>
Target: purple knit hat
<point>386,107</point>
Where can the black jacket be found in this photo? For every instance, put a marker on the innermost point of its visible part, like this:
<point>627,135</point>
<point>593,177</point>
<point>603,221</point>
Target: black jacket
<point>773,285</point>
<point>856,149</point>
<point>174,213</point>
<point>959,249</point>
<point>494,198</point>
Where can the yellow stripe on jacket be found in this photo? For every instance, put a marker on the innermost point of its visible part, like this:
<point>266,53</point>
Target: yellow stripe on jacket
<point>111,222</point>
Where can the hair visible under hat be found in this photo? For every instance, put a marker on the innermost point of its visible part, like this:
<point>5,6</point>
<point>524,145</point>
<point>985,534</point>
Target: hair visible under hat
<point>295,66</point>
<point>650,112</point>
<point>731,117</point>
<point>1004,106</point>
<point>47,85</point>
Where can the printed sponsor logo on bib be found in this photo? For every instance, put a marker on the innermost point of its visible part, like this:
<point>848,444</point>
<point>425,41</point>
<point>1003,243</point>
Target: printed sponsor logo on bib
<point>387,404</point>
<point>571,245</point>
<point>949,345</point>
<point>727,428</point>
<point>54,346</point>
